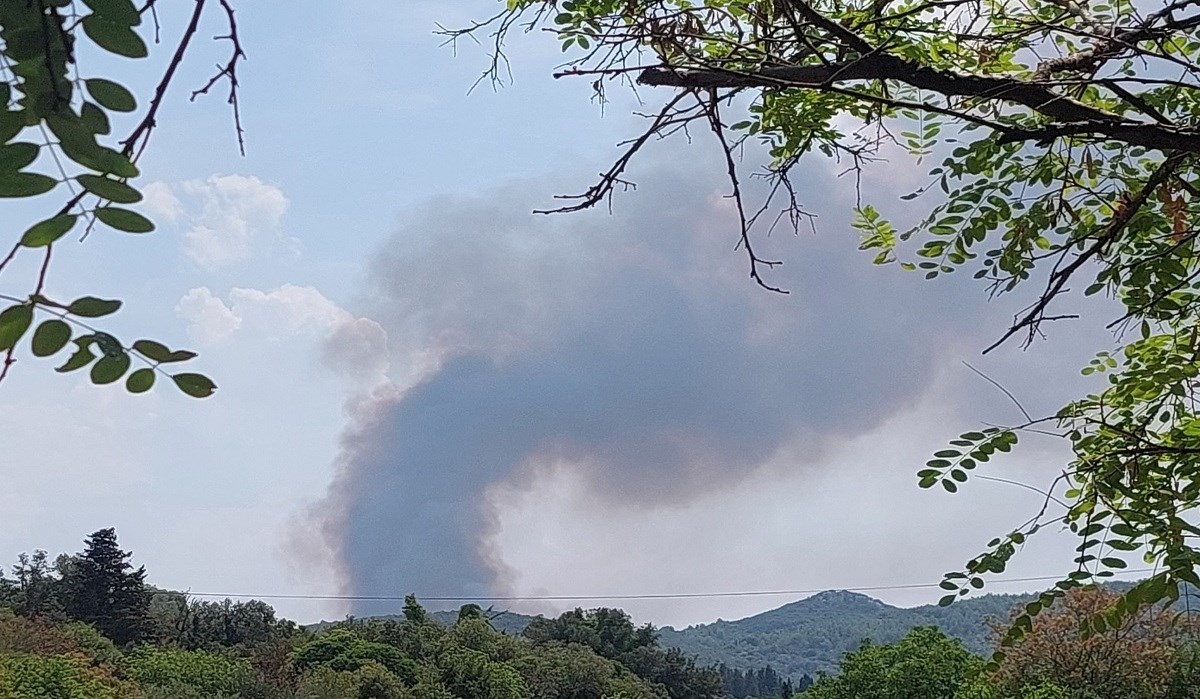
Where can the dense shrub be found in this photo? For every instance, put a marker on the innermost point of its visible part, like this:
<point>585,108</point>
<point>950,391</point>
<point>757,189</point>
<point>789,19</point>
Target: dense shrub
<point>370,681</point>
<point>25,676</point>
<point>344,651</point>
<point>205,672</point>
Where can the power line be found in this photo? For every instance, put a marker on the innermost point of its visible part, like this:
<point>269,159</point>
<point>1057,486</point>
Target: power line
<point>605,598</point>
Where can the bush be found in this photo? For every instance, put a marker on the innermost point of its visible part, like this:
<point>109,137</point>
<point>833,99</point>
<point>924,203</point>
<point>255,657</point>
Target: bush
<point>344,651</point>
<point>209,674</point>
<point>181,692</point>
<point>24,676</point>
<point>371,681</point>
<point>925,663</point>
<point>326,683</point>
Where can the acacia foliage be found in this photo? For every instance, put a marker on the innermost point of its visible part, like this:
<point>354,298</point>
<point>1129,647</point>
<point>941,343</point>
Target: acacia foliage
<point>1065,137</point>
<point>70,139</point>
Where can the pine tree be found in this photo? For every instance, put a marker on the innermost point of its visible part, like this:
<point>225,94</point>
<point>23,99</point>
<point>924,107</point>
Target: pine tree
<point>37,590</point>
<point>414,613</point>
<point>106,591</point>
<point>804,682</point>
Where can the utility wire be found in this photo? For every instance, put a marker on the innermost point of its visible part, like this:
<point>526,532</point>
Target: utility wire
<point>649,596</point>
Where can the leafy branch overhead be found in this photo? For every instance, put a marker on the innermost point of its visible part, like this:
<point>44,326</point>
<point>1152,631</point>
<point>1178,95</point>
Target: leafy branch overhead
<point>57,140</point>
<point>1068,136</point>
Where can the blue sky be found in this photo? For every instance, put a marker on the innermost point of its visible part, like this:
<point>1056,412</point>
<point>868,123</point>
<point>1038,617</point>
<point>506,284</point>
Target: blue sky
<point>378,230</point>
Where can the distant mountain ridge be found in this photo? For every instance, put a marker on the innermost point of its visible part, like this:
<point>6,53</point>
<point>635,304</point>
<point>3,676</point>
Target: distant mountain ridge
<point>810,636</point>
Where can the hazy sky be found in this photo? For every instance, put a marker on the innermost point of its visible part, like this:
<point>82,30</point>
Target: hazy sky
<point>426,388</point>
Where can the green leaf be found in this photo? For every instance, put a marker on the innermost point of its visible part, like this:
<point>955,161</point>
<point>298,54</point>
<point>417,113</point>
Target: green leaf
<point>50,337</point>
<point>110,189</point>
<point>114,37</point>
<point>77,140</point>
<point>94,118</point>
<point>158,352</point>
<point>14,321</point>
<point>11,124</point>
<point>92,307</point>
<point>195,385</point>
<point>119,11</point>
<point>124,219</point>
<point>15,156</point>
<point>109,345</point>
<point>25,184</point>
<point>45,232</point>
<point>140,381</point>
<point>947,600</point>
<point>81,357</point>
<point>111,95</point>
<point>1123,529</point>
<point>110,368</point>
<point>113,162</point>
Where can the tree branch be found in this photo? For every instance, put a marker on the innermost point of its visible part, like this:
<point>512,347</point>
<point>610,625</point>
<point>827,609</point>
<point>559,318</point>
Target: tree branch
<point>1074,117</point>
<point>1124,213</point>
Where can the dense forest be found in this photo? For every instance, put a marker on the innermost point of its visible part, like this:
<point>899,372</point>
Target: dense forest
<point>89,626</point>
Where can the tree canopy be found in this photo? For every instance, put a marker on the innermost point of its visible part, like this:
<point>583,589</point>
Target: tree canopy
<point>105,590</point>
<point>1065,137</point>
<point>89,626</point>
<point>925,664</point>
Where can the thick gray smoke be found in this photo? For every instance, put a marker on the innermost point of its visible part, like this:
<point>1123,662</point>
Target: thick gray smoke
<point>629,347</point>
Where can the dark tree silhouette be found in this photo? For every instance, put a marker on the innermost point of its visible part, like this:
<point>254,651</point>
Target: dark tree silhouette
<point>105,590</point>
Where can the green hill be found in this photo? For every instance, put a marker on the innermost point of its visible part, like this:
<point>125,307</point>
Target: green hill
<point>810,636</point>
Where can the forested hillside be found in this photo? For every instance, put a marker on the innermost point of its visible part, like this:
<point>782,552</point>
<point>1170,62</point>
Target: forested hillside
<point>90,626</point>
<point>811,635</point>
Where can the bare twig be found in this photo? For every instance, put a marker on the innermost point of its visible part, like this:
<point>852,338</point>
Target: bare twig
<point>228,72</point>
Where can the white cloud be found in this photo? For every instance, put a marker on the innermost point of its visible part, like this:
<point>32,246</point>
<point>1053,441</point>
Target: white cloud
<point>296,307</point>
<point>161,202</point>
<point>209,319</point>
<point>229,218</point>
<point>352,346</point>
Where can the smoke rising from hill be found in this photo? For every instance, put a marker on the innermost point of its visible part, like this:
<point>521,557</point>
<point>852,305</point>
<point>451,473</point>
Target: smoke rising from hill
<point>630,348</point>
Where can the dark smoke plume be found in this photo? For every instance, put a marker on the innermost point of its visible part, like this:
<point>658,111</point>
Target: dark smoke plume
<point>630,347</point>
